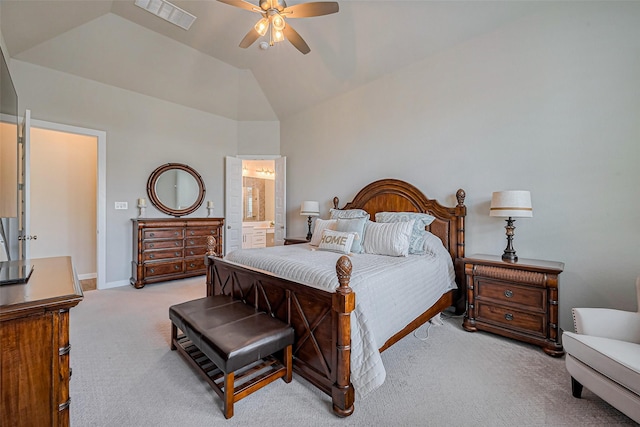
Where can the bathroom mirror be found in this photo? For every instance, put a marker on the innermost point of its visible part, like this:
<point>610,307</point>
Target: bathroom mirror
<point>176,189</point>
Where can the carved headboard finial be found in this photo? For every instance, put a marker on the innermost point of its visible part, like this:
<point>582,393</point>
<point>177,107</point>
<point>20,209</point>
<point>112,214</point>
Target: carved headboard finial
<point>460,195</point>
<point>211,246</point>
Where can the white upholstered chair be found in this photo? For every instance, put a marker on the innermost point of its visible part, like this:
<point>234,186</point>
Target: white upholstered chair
<point>604,355</point>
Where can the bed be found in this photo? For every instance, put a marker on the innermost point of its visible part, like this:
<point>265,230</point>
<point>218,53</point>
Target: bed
<point>326,318</point>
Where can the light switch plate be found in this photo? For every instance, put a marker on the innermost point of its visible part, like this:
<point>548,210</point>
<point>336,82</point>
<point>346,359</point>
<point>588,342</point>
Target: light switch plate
<point>122,205</point>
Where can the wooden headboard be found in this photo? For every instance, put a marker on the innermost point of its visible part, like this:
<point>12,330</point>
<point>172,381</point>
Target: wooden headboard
<point>393,195</point>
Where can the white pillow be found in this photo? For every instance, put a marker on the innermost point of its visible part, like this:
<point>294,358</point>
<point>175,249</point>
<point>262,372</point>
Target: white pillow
<point>322,224</point>
<point>392,238</point>
<point>336,241</point>
<point>348,213</point>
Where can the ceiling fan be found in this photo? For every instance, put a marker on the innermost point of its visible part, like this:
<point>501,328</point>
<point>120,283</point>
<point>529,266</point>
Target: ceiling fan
<point>273,21</point>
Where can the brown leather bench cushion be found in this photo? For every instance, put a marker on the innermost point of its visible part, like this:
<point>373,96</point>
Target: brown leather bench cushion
<point>230,333</point>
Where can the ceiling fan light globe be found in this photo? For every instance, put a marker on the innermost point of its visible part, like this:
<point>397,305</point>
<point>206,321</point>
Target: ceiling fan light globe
<point>278,36</point>
<point>262,26</point>
<point>278,22</point>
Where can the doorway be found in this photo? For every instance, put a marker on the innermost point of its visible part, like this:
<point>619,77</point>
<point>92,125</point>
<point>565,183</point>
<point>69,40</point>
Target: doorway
<point>67,207</point>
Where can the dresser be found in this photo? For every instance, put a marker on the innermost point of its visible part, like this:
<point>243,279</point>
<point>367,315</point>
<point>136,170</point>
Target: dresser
<point>171,248</point>
<point>518,300</point>
<point>35,346</point>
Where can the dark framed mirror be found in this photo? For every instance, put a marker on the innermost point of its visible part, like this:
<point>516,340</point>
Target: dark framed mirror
<point>176,189</point>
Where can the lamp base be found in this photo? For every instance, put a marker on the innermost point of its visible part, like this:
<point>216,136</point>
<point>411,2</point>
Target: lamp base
<point>509,254</point>
<point>309,233</point>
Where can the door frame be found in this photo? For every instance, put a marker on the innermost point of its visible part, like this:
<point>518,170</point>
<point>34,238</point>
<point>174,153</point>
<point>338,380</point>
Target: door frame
<point>101,190</point>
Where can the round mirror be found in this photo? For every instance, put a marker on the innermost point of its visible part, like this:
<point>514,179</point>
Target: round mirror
<point>176,189</point>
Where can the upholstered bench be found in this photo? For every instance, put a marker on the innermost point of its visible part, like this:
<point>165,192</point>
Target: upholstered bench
<point>232,345</point>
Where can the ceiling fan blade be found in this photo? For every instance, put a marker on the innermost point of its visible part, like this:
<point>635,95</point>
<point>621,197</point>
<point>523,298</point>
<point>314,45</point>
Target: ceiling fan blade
<point>295,39</point>
<point>314,8</point>
<point>241,4</point>
<point>251,37</point>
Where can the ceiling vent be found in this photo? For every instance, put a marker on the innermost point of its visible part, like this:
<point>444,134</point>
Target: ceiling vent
<point>168,12</point>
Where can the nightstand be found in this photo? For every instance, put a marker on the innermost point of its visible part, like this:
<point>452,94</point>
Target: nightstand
<point>295,240</point>
<point>517,300</point>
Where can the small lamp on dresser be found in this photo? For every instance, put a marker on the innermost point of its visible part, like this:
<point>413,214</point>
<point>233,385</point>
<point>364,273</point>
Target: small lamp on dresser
<point>310,209</point>
<point>510,204</point>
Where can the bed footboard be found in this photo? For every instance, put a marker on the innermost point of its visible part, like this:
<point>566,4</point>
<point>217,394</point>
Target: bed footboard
<point>321,321</point>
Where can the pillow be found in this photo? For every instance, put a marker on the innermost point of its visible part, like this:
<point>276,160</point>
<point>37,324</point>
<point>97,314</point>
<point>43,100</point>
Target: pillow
<point>388,238</point>
<point>348,213</point>
<point>356,226</point>
<point>336,241</point>
<point>321,224</point>
<point>418,235</point>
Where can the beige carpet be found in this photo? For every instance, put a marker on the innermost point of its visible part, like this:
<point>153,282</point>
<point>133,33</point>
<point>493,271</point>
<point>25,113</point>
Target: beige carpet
<point>125,375</point>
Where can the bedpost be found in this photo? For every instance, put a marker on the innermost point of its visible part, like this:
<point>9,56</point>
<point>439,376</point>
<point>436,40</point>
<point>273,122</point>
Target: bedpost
<point>211,252</point>
<point>460,302</point>
<point>344,299</point>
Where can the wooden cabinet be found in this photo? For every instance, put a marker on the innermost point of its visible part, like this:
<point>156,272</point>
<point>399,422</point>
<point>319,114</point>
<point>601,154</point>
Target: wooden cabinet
<point>295,240</point>
<point>515,299</point>
<point>171,248</point>
<point>35,346</point>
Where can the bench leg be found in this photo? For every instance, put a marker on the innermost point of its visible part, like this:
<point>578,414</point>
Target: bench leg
<point>228,395</point>
<point>174,335</point>
<point>288,364</point>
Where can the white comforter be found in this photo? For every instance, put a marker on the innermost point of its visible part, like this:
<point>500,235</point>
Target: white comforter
<point>390,293</point>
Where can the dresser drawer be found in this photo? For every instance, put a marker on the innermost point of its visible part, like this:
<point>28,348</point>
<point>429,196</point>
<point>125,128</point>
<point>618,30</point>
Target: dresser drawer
<point>159,269</point>
<point>162,233</point>
<point>195,251</point>
<point>530,298</point>
<point>162,254</point>
<point>517,320</point>
<point>162,244</point>
<point>195,264</point>
<point>202,231</point>
<point>195,241</point>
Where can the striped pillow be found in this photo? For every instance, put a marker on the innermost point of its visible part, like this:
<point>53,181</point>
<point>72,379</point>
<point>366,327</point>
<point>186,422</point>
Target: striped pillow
<point>418,235</point>
<point>391,238</point>
<point>321,224</point>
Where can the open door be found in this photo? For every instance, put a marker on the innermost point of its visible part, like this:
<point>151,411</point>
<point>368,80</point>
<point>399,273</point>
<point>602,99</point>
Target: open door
<point>24,187</point>
<point>233,204</point>
<point>280,228</point>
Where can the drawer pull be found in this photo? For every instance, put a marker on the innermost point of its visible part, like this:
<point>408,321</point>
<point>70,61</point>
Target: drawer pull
<point>191,242</point>
<point>64,350</point>
<point>508,293</point>
<point>508,316</point>
<point>175,233</point>
<point>191,252</point>
<point>177,253</point>
<point>152,256</point>
<point>152,234</point>
<point>151,245</point>
<point>175,267</point>
<point>192,265</point>
<point>152,270</point>
<point>65,405</point>
<point>177,243</point>
<point>192,233</point>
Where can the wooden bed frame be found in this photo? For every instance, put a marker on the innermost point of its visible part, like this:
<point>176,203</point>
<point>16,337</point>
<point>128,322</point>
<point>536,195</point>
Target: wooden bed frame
<point>321,319</point>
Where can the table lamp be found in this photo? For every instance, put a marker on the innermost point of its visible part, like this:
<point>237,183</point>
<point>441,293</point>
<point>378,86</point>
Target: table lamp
<point>510,204</point>
<point>310,209</point>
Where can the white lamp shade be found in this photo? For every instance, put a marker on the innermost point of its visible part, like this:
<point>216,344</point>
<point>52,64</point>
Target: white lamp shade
<point>309,208</point>
<point>512,203</point>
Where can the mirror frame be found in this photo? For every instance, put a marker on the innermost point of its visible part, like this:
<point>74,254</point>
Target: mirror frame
<point>151,189</point>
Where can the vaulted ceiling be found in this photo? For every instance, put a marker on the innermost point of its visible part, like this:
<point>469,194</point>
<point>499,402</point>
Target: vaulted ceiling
<point>362,42</point>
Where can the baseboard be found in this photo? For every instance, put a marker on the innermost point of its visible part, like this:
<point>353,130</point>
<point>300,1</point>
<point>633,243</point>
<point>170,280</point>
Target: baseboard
<point>116,284</point>
<point>87,276</point>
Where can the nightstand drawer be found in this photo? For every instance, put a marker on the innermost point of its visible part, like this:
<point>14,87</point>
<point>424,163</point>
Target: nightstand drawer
<point>531,323</point>
<point>509,293</point>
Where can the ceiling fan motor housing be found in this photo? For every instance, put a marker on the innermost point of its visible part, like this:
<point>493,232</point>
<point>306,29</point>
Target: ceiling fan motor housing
<point>273,4</point>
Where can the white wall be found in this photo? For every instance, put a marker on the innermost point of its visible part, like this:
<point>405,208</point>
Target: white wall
<point>550,104</point>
